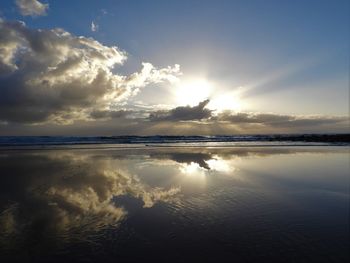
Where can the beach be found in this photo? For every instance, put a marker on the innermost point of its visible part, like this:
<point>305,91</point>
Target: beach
<point>128,202</point>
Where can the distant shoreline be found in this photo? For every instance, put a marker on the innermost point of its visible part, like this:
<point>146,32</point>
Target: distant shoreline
<point>178,141</point>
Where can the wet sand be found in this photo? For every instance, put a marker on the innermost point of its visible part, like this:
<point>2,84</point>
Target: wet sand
<point>209,204</point>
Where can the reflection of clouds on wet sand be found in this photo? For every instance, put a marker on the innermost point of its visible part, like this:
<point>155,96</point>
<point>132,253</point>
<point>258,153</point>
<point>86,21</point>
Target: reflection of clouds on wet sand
<point>69,194</point>
<point>98,202</point>
<point>65,191</point>
<point>187,162</point>
<point>216,164</point>
<point>184,157</point>
<point>72,190</point>
<point>199,163</point>
<point>203,160</point>
<point>7,220</point>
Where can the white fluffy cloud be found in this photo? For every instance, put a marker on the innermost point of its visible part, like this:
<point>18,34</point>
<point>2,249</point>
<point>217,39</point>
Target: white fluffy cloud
<point>31,7</point>
<point>54,76</point>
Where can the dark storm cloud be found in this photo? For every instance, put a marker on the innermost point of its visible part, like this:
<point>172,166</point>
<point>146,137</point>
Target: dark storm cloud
<point>54,76</point>
<point>183,113</point>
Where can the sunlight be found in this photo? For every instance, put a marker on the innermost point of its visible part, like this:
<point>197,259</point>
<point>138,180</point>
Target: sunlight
<point>215,164</point>
<point>226,101</point>
<point>193,170</point>
<point>220,165</point>
<point>192,92</point>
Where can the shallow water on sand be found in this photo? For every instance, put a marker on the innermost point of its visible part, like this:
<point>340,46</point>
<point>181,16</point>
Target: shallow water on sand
<point>234,204</point>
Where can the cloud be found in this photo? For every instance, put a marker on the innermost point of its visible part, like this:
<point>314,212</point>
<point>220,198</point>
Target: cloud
<point>55,76</point>
<point>50,77</point>
<point>276,120</point>
<point>183,113</point>
<point>94,26</point>
<point>243,117</point>
<point>31,7</point>
<point>104,114</point>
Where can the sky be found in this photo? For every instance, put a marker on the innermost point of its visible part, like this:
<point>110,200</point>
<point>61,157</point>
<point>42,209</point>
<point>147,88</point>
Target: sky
<point>174,67</point>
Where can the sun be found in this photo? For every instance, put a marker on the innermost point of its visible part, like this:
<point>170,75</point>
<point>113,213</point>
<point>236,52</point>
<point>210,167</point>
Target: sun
<point>226,101</point>
<point>193,91</point>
